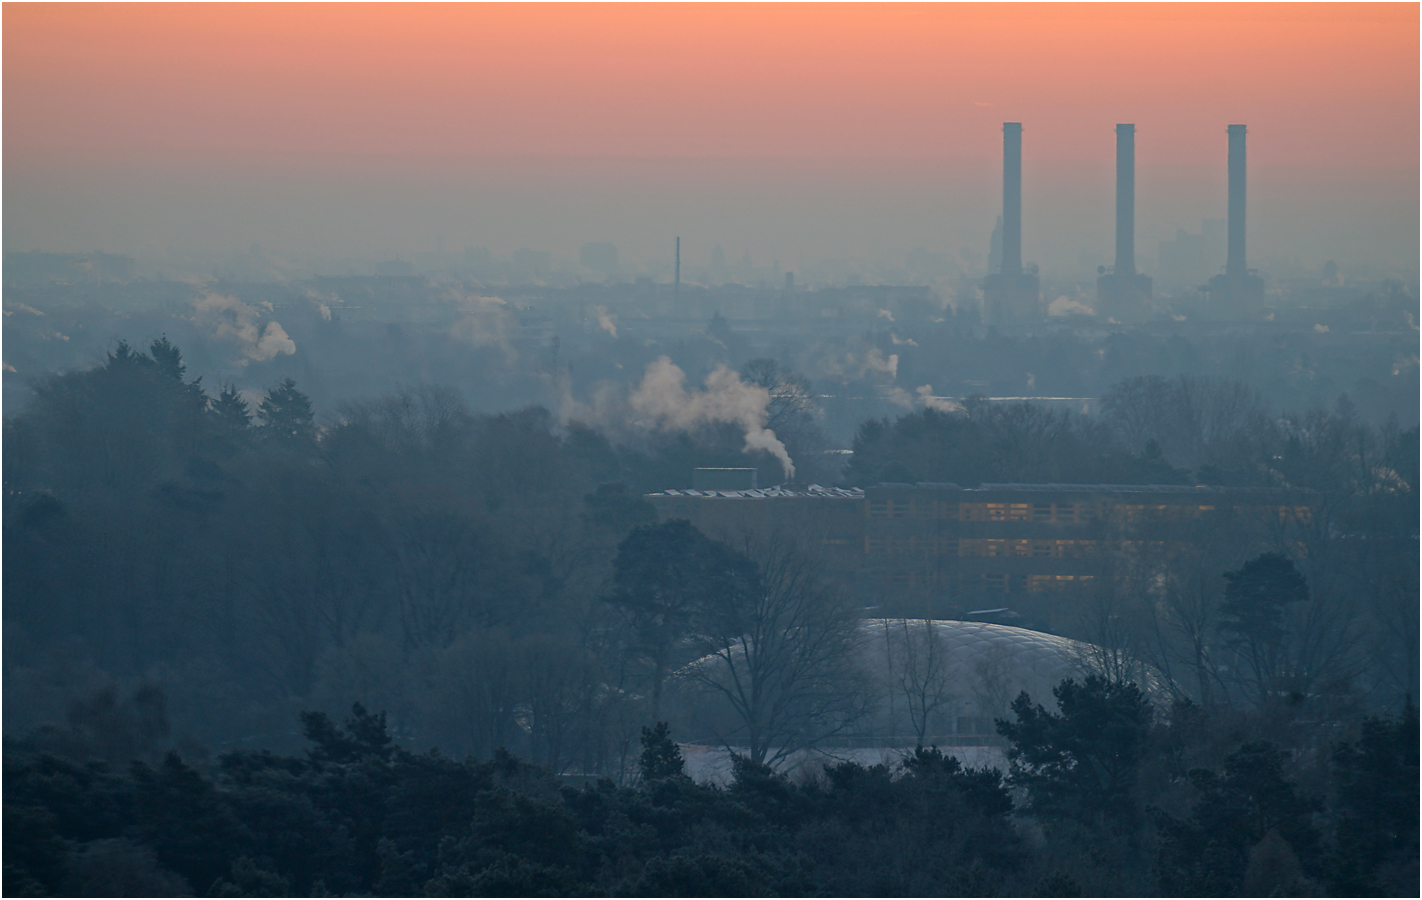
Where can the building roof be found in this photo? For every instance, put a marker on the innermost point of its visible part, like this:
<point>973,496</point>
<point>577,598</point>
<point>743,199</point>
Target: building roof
<point>853,493</point>
<point>985,665</point>
<point>810,490</point>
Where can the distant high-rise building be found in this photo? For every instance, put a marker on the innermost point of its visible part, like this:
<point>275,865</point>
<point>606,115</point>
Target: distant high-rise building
<point>1123,294</point>
<point>1012,295</point>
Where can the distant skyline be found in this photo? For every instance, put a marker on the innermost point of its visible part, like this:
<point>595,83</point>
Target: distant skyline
<point>368,129</point>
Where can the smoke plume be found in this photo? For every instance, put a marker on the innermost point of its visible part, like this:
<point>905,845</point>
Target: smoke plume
<point>663,398</point>
<point>1065,306</point>
<point>606,320</point>
<point>238,322</point>
<point>941,404</point>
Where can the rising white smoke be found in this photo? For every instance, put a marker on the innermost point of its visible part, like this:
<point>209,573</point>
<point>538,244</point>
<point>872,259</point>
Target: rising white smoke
<point>1065,306</point>
<point>899,397</point>
<point>240,323</point>
<point>606,320</point>
<point>323,303</point>
<point>662,397</point>
<point>942,404</point>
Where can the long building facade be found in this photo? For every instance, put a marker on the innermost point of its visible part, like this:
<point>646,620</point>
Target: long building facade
<point>944,551</point>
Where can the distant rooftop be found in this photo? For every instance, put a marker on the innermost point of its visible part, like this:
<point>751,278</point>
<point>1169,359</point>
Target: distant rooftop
<point>807,490</point>
<point>816,490</point>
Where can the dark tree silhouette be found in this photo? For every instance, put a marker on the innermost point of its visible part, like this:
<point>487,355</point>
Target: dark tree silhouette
<point>1252,615</point>
<point>286,416</point>
<point>664,578</point>
<point>1080,763</point>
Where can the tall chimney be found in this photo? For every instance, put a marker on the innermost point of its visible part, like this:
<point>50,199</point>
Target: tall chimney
<point>1125,200</point>
<point>676,291</point>
<point>1235,264</point>
<point>1012,198</point>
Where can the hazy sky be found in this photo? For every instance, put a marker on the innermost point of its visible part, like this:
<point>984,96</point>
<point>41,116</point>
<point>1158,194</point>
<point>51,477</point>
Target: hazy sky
<point>797,131</point>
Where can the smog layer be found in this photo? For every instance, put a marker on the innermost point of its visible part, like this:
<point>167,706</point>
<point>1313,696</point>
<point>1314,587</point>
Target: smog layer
<point>713,450</point>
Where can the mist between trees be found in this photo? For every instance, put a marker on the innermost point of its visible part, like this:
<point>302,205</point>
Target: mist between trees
<point>187,571</point>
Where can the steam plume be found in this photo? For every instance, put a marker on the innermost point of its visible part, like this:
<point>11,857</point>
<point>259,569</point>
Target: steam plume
<point>237,321</point>
<point>606,320</point>
<point>662,396</point>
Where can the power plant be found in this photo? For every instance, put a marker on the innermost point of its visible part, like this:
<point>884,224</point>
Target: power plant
<point>1123,294</point>
<point>1012,293</point>
<point>1239,292</point>
<point>1012,296</point>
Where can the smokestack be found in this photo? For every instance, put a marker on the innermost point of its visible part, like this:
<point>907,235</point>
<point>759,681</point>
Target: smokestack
<point>1012,198</point>
<point>1235,264</point>
<point>676,291</point>
<point>1126,199</point>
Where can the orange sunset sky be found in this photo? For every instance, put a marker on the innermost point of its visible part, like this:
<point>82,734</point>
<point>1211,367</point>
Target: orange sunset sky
<point>167,127</point>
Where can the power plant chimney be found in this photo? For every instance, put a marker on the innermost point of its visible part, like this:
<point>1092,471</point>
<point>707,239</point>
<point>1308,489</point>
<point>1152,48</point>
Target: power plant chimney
<point>1235,264</point>
<point>1126,200</point>
<point>1012,198</point>
<point>676,290</point>
<point>1238,293</point>
<point>1123,294</point>
<point>1011,296</point>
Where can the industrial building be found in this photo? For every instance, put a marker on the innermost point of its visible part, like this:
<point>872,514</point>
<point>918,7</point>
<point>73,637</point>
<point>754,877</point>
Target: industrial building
<point>942,551</point>
<point>1239,292</point>
<point>1012,295</point>
<point>971,672</point>
<point>1123,294</point>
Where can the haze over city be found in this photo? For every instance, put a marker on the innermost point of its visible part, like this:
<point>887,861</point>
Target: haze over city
<point>856,132</point>
<point>711,449</point>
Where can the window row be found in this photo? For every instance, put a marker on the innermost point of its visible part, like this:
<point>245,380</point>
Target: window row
<point>976,548</point>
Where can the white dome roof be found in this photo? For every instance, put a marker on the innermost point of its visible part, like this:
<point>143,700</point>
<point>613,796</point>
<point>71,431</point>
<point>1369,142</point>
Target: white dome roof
<point>984,666</point>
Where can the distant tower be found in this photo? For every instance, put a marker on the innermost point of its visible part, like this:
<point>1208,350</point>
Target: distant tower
<point>1125,200</point>
<point>1235,264</point>
<point>1239,292</point>
<point>1012,296</point>
<point>676,290</point>
<point>1123,294</point>
<point>1012,198</point>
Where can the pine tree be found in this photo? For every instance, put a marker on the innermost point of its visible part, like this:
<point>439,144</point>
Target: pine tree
<point>286,416</point>
<point>661,757</point>
<point>231,413</point>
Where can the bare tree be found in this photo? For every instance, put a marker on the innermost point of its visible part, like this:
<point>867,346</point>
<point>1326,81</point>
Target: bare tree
<point>783,654</point>
<point>1195,420</point>
<point>918,668</point>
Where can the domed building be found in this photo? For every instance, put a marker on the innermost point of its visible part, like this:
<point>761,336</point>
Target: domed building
<point>908,682</point>
<point>951,678</point>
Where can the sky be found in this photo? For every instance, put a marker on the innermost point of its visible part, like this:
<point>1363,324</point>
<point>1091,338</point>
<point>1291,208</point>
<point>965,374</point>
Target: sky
<point>790,130</point>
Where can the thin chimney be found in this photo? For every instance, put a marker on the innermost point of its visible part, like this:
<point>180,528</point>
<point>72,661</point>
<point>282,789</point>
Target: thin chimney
<point>1125,200</point>
<point>1012,198</point>
<point>1235,264</point>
